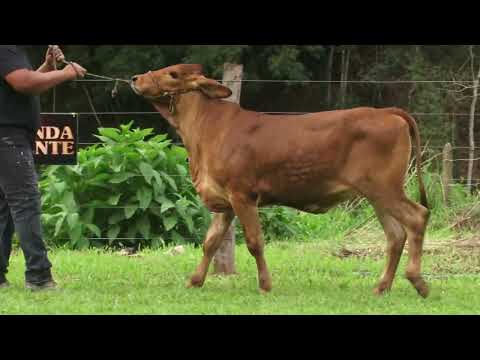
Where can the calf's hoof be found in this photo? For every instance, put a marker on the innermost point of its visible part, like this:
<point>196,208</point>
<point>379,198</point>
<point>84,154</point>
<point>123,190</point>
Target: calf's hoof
<point>195,281</point>
<point>381,289</point>
<point>265,286</point>
<point>420,285</point>
<point>422,289</point>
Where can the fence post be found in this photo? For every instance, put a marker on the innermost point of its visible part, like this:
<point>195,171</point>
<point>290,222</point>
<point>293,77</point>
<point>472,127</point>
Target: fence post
<point>447,171</point>
<point>224,260</point>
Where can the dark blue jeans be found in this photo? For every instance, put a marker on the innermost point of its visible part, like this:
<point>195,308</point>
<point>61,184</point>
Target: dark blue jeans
<point>20,205</point>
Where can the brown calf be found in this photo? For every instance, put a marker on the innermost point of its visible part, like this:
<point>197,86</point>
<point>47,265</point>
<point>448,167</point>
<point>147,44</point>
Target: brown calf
<point>241,160</point>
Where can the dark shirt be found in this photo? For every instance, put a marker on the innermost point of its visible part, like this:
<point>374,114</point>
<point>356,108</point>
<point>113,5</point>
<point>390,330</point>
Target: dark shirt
<point>16,109</point>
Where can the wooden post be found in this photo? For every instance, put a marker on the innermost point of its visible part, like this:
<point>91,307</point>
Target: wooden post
<point>224,260</point>
<point>447,171</point>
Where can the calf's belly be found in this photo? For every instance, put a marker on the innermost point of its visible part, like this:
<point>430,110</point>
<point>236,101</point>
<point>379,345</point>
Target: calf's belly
<point>312,198</point>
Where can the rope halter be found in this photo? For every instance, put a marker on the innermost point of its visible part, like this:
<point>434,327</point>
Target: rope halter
<point>173,95</point>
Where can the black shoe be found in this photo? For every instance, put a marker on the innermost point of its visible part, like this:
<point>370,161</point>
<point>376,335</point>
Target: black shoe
<point>3,281</point>
<point>48,285</point>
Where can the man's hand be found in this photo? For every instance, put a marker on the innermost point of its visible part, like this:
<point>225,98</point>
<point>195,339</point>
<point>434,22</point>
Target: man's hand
<point>53,52</point>
<point>74,71</point>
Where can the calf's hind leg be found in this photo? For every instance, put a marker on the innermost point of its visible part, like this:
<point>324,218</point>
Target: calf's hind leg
<point>396,238</point>
<point>414,218</point>
<point>247,213</point>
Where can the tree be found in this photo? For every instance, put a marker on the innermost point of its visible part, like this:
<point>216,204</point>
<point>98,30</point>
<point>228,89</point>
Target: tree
<point>470,92</point>
<point>345,51</point>
<point>329,72</point>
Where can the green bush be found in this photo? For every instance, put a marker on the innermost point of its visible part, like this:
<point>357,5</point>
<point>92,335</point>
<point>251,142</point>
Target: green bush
<point>279,223</point>
<point>125,191</point>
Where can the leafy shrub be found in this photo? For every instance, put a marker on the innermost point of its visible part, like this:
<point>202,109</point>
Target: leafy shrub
<point>124,192</point>
<point>279,223</point>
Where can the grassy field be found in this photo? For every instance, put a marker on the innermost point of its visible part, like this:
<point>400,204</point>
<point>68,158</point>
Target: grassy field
<point>326,264</point>
<point>308,278</point>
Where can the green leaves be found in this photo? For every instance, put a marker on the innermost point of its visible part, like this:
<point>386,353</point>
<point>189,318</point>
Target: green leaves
<point>143,226</point>
<point>170,181</point>
<point>58,224</point>
<point>166,204</point>
<point>130,211</point>
<point>170,222</point>
<point>94,229</point>
<point>72,220</point>
<point>113,232</point>
<point>122,177</point>
<point>157,242</point>
<point>144,196</point>
<point>286,64</point>
<point>113,200</point>
<point>110,133</point>
<point>147,172</point>
<point>127,189</point>
<point>276,222</point>
<point>116,217</point>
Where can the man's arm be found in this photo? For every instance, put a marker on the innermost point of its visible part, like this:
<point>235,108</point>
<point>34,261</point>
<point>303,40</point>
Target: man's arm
<point>33,82</point>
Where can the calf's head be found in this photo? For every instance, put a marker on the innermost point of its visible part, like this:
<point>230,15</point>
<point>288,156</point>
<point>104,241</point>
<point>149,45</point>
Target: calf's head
<point>158,85</point>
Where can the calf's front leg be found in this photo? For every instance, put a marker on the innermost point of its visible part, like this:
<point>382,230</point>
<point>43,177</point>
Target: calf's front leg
<point>216,233</point>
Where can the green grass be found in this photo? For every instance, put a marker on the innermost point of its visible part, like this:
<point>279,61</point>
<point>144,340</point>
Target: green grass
<point>307,279</point>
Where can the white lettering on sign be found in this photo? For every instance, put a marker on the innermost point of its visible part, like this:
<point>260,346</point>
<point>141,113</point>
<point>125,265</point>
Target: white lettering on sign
<point>55,141</point>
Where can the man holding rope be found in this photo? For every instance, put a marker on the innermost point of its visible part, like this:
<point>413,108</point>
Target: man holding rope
<point>20,206</point>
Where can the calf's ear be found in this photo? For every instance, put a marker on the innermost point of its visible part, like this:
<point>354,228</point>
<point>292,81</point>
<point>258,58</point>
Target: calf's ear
<point>213,89</point>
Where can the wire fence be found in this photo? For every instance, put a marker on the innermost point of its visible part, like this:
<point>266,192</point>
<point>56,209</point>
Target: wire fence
<point>429,115</point>
<point>321,81</point>
<point>261,112</point>
<point>141,113</point>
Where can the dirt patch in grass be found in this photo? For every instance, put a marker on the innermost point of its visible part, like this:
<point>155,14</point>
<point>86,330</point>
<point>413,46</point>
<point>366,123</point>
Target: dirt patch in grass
<point>373,252</point>
<point>459,256</point>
